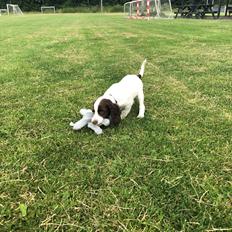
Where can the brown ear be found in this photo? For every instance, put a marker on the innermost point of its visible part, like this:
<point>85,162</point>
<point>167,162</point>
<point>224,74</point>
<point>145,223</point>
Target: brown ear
<point>115,114</point>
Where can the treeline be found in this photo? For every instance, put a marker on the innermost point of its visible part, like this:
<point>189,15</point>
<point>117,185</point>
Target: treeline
<point>30,5</point>
<point>34,5</point>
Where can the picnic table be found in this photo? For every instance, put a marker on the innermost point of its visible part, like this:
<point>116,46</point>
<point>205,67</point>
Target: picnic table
<point>195,10</point>
<point>199,10</point>
<point>228,8</point>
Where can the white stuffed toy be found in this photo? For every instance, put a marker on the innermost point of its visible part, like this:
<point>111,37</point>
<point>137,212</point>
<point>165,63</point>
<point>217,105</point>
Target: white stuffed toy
<point>86,119</point>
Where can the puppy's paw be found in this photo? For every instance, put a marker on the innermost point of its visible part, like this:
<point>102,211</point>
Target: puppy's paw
<point>140,116</point>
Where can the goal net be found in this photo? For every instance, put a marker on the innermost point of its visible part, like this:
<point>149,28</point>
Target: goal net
<point>13,9</point>
<point>149,9</point>
<point>48,9</point>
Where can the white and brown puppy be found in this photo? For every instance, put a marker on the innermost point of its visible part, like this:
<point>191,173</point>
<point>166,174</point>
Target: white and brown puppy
<point>117,101</point>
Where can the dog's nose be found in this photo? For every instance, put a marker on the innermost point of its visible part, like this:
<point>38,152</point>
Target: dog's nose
<point>94,122</point>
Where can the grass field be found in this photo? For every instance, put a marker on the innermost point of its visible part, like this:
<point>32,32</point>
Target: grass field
<point>171,171</point>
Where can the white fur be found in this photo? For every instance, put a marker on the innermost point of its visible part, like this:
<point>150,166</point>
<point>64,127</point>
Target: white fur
<point>123,93</point>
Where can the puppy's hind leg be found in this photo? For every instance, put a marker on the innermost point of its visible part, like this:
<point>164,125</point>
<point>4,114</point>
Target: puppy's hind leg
<point>141,104</point>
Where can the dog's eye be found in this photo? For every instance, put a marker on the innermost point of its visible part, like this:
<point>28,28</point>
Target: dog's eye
<point>101,112</point>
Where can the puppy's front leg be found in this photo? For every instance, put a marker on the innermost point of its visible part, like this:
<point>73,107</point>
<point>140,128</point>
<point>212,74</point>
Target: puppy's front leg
<point>125,111</point>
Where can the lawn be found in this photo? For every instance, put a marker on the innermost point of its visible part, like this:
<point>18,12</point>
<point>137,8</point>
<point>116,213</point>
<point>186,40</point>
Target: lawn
<point>171,171</point>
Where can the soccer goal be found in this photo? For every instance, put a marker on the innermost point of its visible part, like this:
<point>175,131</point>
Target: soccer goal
<point>3,11</point>
<point>48,9</point>
<point>149,9</point>
<point>13,9</point>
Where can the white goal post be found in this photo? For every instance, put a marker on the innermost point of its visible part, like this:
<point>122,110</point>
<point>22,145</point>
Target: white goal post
<point>48,7</point>
<point>149,9</point>
<point>13,9</point>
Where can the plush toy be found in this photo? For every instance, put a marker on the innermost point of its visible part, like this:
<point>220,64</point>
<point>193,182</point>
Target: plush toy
<point>86,120</point>
<point>87,116</point>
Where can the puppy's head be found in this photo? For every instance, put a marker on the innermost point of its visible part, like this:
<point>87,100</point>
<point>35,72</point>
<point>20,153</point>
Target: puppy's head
<point>104,108</point>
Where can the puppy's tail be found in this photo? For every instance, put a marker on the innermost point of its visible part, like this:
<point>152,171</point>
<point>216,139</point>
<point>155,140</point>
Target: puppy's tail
<point>141,72</point>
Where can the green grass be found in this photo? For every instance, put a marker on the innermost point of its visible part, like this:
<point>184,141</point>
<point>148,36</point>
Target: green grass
<point>170,171</point>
